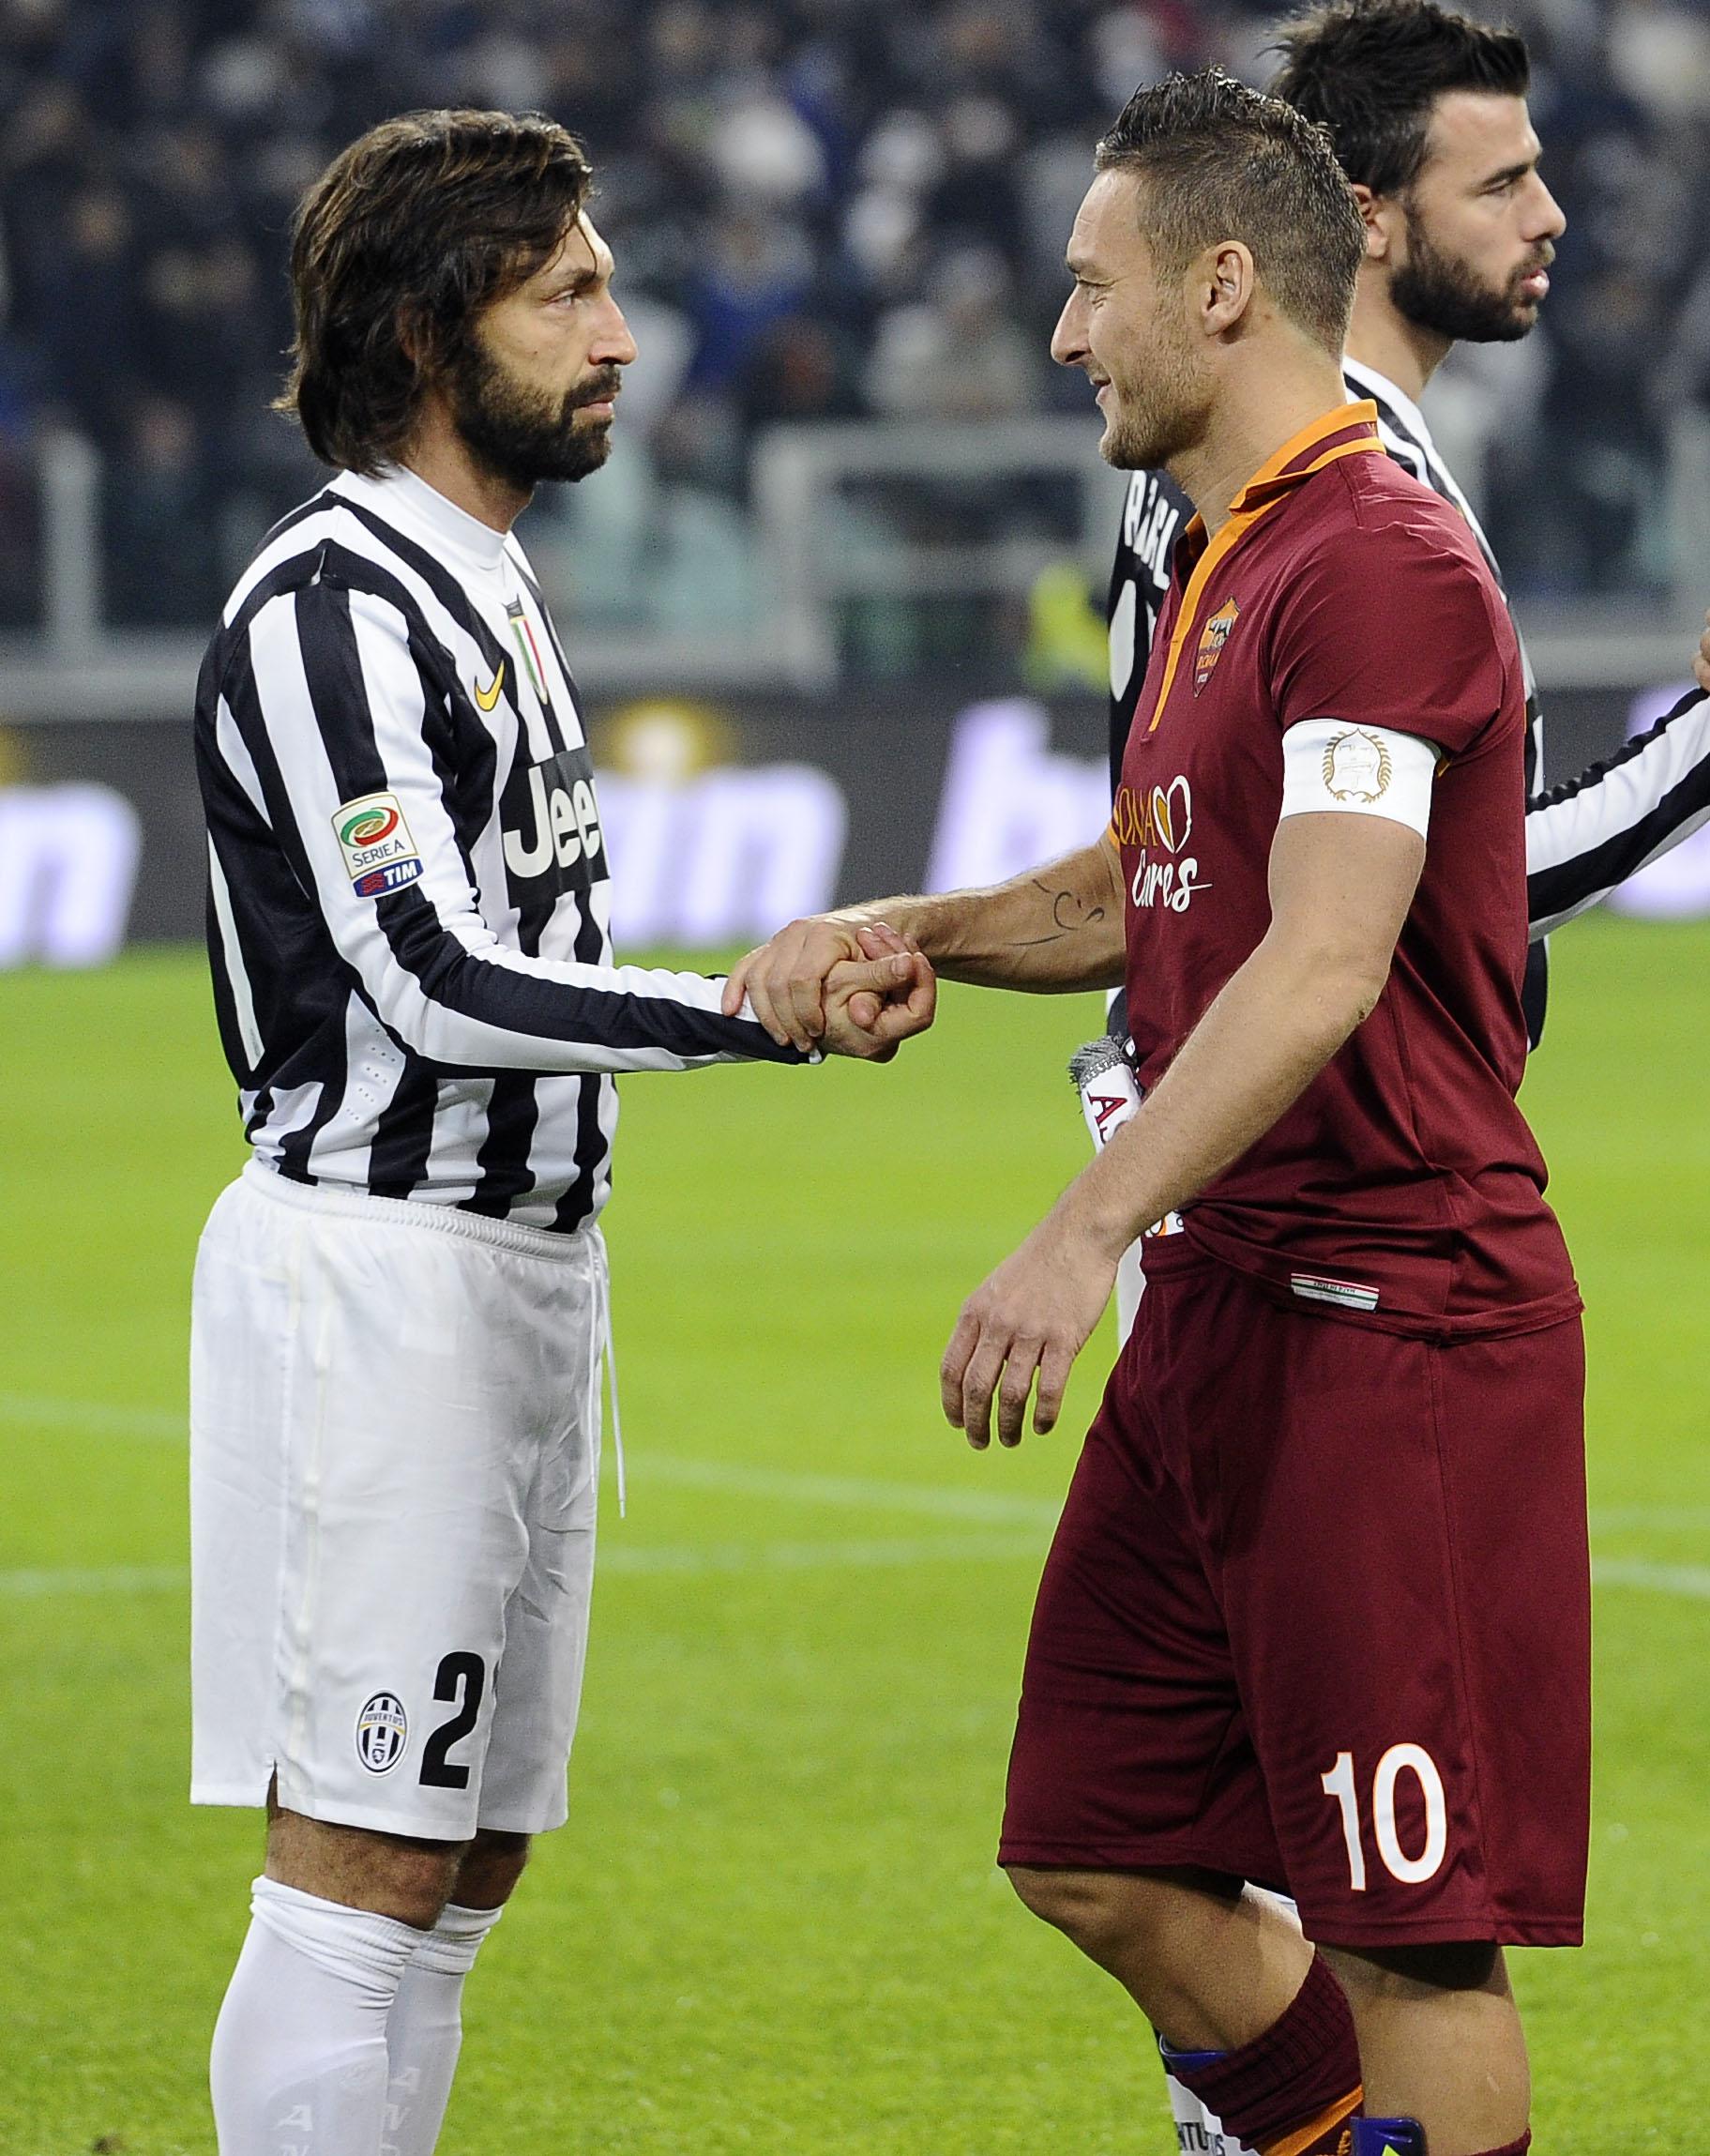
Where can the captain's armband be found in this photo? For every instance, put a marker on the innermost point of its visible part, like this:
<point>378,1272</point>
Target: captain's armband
<point>1331,764</point>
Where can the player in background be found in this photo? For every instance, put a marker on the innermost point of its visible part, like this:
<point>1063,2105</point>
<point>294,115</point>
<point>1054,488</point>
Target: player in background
<point>1292,1628</point>
<point>399,1308</point>
<point>1427,110</point>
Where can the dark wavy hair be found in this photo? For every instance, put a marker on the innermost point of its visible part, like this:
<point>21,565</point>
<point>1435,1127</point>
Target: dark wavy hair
<point>1371,71</point>
<point>397,248</point>
<point>1216,161</point>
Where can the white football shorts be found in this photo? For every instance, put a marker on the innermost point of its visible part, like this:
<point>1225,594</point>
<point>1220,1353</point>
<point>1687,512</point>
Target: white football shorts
<point>394,1469</point>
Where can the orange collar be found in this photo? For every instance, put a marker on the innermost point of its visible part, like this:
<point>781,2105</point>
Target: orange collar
<point>1345,431</point>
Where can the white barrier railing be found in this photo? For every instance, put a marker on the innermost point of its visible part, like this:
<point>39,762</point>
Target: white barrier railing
<point>800,471</point>
<point>812,564</point>
<point>68,471</point>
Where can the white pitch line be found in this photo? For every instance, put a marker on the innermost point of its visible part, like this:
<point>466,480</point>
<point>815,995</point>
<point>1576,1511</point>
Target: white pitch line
<point>1659,1519</point>
<point>1692,1581</point>
<point>823,1556</point>
<point>640,1558</point>
<point>119,1580</point>
<point>95,1418</point>
<point>1689,1580</point>
<point>990,1507</point>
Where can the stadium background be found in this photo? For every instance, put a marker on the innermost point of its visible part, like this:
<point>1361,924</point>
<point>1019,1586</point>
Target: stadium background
<point>834,607</point>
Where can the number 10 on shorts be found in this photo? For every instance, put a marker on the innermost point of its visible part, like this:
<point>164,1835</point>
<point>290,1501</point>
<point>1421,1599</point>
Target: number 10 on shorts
<point>1399,1759</point>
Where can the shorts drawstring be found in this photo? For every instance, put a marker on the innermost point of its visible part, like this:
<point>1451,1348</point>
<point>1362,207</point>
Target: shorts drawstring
<point>602,1363</point>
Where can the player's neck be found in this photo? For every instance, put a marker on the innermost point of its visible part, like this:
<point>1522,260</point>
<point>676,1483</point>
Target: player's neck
<point>1252,422</point>
<point>1387,341</point>
<point>439,456</point>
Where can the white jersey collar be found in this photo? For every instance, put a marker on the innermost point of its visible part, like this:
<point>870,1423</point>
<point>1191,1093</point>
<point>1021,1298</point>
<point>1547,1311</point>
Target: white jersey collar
<point>404,498</point>
<point>1366,380</point>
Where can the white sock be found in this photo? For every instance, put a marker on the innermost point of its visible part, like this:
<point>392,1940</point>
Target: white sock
<point>299,2066</point>
<point>1198,2131</point>
<point>426,2030</point>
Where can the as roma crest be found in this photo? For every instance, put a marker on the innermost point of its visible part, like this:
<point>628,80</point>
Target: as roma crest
<point>1212,637</point>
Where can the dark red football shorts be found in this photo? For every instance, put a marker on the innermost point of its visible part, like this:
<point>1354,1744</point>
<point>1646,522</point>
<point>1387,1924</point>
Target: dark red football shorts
<point>1317,1615</point>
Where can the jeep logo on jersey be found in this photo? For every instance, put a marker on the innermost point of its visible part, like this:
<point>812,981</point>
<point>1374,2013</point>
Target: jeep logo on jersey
<point>383,1732</point>
<point>551,822</point>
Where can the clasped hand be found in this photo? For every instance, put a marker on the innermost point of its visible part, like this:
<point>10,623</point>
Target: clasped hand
<point>851,988</point>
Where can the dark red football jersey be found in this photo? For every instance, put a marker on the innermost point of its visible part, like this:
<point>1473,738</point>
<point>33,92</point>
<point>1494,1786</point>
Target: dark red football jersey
<point>1403,1189</point>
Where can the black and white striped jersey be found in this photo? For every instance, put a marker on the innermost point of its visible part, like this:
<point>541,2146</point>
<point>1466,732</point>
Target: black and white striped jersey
<point>409,895</point>
<point>1583,837</point>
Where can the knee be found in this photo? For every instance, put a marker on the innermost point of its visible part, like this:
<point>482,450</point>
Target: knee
<point>1087,1907</point>
<point>390,1874</point>
<point>490,1867</point>
<point>1377,1973</point>
<point>1138,1925</point>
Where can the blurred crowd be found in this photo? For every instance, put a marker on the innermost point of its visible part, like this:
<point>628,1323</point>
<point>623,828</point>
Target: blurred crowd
<point>821,209</point>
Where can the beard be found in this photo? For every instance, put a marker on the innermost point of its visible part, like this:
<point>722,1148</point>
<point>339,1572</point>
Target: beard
<point>1152,424</point>
<point>1442,293</point>
<point>522,433</point>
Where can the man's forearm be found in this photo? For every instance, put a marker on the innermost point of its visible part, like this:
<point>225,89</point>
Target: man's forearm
<point>1052,930</point>
<point>1055,929</point>
<point>1277,1021</point>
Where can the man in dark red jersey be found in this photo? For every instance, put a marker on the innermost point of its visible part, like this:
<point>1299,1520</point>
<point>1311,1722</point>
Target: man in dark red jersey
<point>1316,1615</point>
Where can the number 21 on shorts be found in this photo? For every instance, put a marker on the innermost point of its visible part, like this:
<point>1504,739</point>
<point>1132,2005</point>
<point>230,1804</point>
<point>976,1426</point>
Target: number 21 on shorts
<point>1399,1759</point>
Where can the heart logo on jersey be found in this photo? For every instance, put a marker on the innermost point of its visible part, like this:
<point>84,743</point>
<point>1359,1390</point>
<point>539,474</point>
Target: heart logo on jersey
<point>1171,814</point>
<point>1212,637</point>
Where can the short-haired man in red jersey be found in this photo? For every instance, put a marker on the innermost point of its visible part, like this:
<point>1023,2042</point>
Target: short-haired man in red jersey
<point>1317,1613</point>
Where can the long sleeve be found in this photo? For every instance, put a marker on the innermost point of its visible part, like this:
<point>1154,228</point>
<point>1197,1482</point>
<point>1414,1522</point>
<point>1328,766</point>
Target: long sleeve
<point>1588,835</point>
<point>335,726</point>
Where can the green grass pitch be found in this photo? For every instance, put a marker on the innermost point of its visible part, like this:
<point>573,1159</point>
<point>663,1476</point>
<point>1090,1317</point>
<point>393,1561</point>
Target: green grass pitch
<point>774,1921</point>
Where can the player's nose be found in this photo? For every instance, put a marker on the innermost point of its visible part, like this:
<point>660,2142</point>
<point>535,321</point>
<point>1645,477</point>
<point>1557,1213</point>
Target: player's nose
<point>1550,220</point>
<point>1068,339</point>
<point>614,343</point>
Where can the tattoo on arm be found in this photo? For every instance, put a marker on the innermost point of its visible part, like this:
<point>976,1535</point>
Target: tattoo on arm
<point>1070,913</point>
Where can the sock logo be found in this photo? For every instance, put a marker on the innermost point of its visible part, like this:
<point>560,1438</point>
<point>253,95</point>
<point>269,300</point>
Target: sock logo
<point>382,1733</point>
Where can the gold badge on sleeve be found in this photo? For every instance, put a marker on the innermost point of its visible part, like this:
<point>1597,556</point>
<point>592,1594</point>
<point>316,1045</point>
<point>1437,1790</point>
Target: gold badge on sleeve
<point>1356,767</point>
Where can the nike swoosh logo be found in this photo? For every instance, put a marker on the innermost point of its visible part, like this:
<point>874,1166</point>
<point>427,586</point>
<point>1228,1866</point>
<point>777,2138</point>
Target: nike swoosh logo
<point>489,696</point>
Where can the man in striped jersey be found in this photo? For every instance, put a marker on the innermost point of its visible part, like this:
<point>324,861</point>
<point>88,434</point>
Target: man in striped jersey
<point>1427,110</point>
<point>399,1309</point>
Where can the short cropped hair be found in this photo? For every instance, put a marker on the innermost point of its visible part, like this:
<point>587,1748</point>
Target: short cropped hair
<point>406,237</point>
<point>1216,161</point>
<point>1371,71</point>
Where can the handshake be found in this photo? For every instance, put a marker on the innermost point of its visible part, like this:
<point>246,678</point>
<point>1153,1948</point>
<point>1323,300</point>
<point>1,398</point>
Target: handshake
<point>839,984</point>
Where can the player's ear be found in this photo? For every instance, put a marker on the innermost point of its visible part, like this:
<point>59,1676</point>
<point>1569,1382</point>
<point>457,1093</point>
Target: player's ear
<point>413,332</point>
<point>1227,284</point>
<point>1379,213</point>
